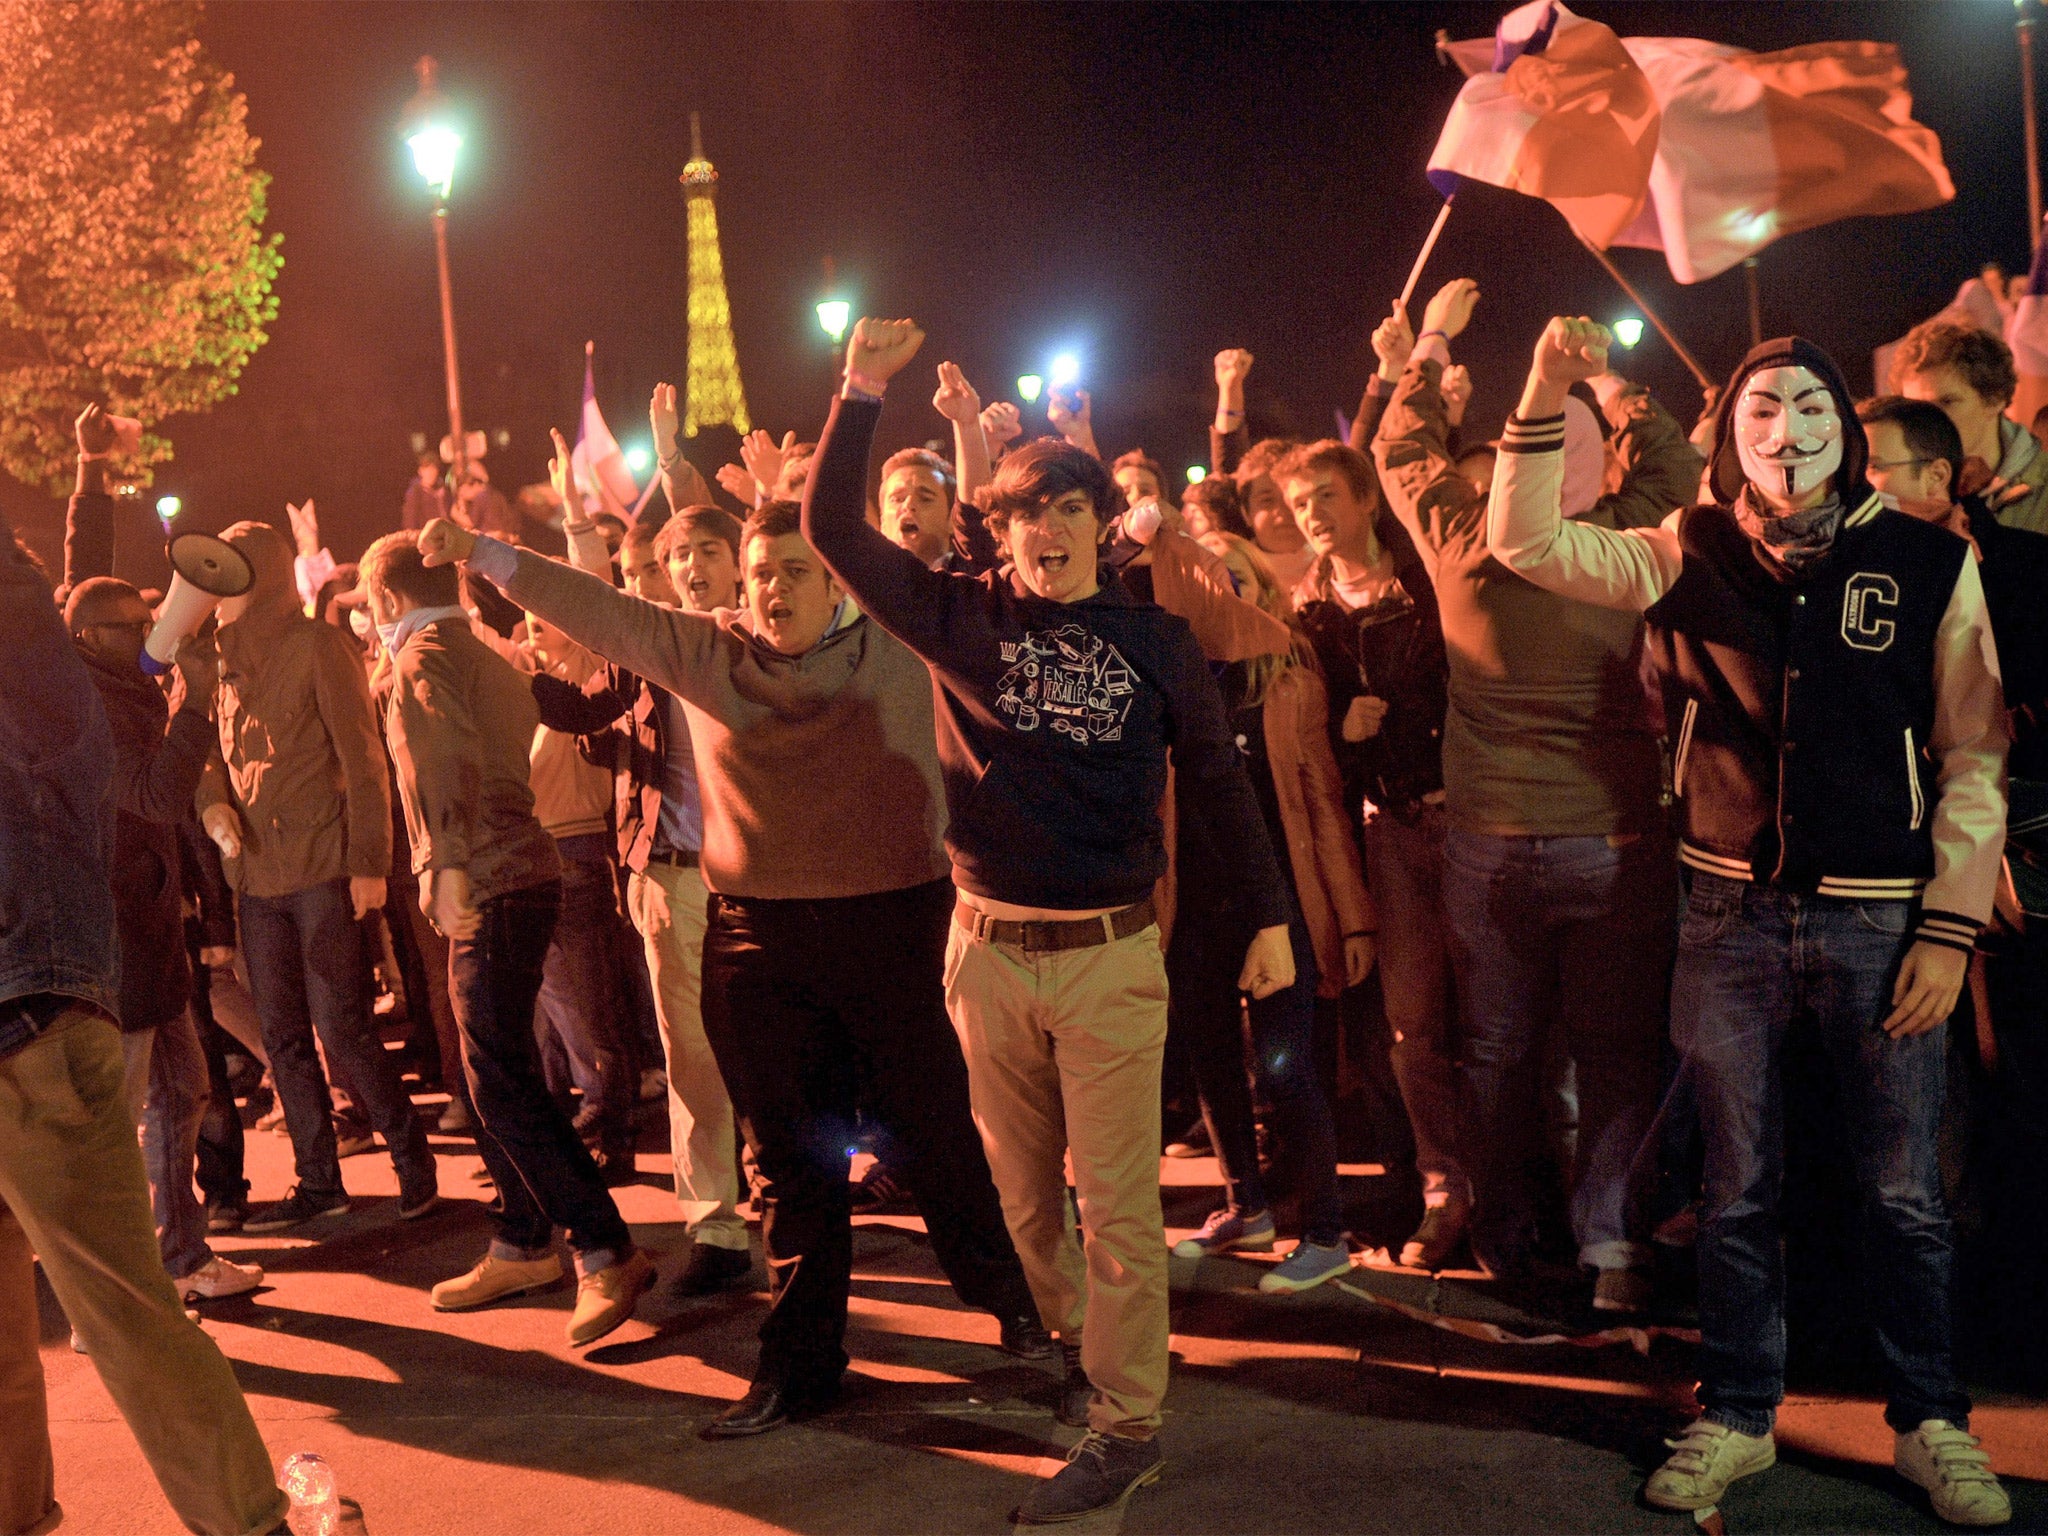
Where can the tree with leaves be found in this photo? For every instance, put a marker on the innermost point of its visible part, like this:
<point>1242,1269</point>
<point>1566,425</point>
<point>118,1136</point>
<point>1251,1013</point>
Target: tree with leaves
<point>133,265</point>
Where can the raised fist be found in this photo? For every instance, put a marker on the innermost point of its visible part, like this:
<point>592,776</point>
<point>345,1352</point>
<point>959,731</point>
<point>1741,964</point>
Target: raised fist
<point>879,348</point>
<point>1571,349</point>
<point>443,542</point>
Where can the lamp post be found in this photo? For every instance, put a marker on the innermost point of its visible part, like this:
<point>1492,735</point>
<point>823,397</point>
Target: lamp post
<point>833,315</point>
<point>2026,14</point>
<point>434,143</point>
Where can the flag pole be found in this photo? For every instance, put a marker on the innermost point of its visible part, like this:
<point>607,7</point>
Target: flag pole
<point>1436,230</point>
<point>1649,314</point>
<point>1754,290</point>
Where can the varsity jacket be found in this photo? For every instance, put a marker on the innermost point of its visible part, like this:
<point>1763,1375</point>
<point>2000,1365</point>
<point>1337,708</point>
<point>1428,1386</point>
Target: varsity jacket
<point>1841,732</point>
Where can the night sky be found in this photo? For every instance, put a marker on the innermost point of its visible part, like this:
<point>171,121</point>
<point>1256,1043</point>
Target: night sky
<point>1140,184</point>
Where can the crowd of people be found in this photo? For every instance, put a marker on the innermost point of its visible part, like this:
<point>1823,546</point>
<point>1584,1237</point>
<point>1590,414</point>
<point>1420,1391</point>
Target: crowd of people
<point>987,813</point>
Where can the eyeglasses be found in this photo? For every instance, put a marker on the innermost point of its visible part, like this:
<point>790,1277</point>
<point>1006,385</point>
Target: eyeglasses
<point>1897,463</point>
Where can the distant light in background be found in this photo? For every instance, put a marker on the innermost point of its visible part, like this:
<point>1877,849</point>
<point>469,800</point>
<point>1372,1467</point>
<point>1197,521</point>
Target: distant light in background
<point>1197,474</point>
<point>638,458</point>
<point>1030,387</point>
<point>168,507</point>
<point>434,149</point>
<point>833,315</point>
<point>1628,330</point>
<point>1065,370</point>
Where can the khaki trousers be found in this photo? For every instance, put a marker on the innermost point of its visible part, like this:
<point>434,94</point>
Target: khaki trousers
<point>72,1191</point>
<point>1063,1052</point>
<point>667,906</point>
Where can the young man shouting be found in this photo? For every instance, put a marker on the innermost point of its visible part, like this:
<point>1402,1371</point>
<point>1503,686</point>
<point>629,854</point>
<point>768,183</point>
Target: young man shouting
<point>1059,698</point>
<point>826,927</point>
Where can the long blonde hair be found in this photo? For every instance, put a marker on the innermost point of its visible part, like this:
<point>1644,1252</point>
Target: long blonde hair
<point>1248,565</point>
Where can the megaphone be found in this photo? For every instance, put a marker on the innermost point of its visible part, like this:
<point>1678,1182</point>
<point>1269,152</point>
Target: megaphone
<point>204,570</point>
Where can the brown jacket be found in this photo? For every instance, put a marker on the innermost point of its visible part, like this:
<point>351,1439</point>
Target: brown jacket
<point>298,759</point>
<point>1329,880</point>
<point>461,723</point>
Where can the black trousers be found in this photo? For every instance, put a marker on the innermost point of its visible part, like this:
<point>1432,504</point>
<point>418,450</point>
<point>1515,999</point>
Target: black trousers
<point>816,1007</point>
<point>544,1174</point>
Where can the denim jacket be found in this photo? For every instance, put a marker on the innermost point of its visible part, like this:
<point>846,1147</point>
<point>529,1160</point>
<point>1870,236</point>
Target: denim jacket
<point>56,819</point>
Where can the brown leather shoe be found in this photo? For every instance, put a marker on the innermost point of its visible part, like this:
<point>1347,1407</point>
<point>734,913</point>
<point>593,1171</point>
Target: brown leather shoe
<point>493,1279</point>
<point>606,1299</point>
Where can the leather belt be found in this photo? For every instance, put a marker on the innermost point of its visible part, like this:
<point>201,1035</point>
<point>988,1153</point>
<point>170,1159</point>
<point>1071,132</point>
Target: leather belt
<point>1042,937</point>
<point>685,858</point>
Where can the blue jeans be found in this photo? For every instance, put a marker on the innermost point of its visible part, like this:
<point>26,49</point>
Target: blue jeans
<point>1751,962</point>
<point>579,991</point>
<point>306,969</point>
<point>544,1174</point>
<point>1202,968</point>
<point>1566,933</point>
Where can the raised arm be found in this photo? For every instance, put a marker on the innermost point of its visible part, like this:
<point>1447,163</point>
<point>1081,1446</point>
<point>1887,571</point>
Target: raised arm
<point>1191,582</point>
<point>1436,504</point>
<point>89,520</point>
<point>672,649</point>
<point>897,589</point>
<point>957,401</point>
<point>1073,417</point>
<point>680,482</point>
<point>158,784</point>
<point>1525,526</point>
<point>1228,438</point>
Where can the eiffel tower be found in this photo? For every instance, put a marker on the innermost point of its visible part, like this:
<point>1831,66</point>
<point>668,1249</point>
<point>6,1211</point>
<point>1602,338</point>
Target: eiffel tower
<point>712,393</point>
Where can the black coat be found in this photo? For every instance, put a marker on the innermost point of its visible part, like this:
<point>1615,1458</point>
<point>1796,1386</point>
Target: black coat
<point>156,771</point>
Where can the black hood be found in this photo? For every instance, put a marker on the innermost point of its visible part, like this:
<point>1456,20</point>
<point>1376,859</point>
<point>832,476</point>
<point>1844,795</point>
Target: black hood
<point>1727,477</point>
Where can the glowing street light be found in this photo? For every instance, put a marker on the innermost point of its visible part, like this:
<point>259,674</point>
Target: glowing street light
<point>434,149</point>
<point>1029,387</point>
<point>434,144</point>
<point>167,508</point>
<point>833,315</point>
<point>638,458</point>
<point>1628,330</point>
<point>1197,474</point>
<point>1065,370</point>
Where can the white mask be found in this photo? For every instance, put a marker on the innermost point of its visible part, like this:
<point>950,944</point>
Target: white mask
<point>1788,432</point>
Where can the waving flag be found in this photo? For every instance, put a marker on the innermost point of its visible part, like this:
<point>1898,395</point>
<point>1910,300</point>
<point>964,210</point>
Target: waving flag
<point>596,456</point>
<point>2027,334</point>
<point>1758,145</point>
<point>1564,114</point>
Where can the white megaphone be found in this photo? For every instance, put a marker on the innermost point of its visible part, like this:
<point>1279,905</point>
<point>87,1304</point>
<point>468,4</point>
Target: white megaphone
<point>204,570</point>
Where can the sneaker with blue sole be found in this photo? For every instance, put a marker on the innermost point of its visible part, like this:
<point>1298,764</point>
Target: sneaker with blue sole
<point>1229,1231</point>
<point>1307,1267</point>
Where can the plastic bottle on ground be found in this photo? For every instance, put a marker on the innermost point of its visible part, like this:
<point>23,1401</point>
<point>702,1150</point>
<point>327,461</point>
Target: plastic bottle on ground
<point>308,1481</point>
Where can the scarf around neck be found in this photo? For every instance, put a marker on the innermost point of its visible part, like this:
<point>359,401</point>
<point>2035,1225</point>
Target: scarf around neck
<point>1792,541</point>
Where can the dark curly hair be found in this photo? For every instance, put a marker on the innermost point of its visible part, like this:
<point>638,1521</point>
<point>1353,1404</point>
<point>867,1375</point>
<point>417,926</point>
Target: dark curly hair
<point>1039,474</point>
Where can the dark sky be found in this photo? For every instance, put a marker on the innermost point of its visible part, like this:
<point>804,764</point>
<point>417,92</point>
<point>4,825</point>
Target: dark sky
<point>1143,183</point>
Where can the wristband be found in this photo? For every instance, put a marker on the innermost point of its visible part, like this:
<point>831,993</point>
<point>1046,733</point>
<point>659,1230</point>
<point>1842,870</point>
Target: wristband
<point>865,383</point>
<point>1224,410</point>
<point>1433,331</point>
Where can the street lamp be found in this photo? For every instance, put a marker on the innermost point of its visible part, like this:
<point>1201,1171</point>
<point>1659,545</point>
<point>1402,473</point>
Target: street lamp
<point>1029,387</point>
<point>832,317</point>
<point>1628,330</point>
<point>434,143</point>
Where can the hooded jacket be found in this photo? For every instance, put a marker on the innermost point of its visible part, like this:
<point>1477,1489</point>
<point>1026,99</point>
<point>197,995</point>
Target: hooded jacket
<point>300,761</point>
<point>1838,730</point>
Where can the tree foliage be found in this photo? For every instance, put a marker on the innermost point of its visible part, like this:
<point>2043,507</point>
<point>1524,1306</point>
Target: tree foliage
<point>133,264</point>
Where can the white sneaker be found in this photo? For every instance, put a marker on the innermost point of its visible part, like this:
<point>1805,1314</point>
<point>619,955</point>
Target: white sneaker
<point>1953,1467</point>
<point>219,1277</point>
<point>1703,1462</point>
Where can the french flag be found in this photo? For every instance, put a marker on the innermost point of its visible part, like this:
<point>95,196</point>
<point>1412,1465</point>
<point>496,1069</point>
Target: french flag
<point>1758,145</point>
<point>597,456</point>
<point>1562,113</point>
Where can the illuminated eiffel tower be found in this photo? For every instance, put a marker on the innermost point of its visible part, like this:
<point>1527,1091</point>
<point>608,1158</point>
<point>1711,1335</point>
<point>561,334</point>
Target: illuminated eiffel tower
<point>712,393</point>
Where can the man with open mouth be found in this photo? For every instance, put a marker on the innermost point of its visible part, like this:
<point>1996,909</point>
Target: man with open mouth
<point>1058,696</point>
